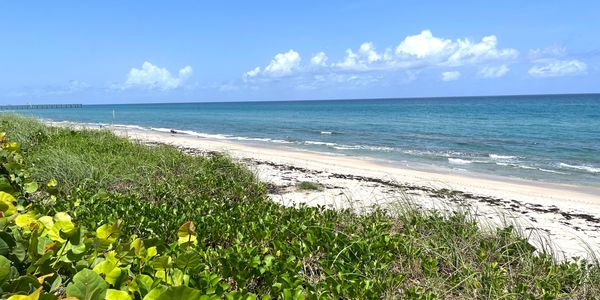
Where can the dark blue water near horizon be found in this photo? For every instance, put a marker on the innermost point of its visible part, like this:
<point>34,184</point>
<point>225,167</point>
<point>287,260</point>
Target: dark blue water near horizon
<point>552,138</point>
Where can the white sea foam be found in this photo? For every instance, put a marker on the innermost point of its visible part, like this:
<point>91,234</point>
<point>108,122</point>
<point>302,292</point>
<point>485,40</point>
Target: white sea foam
<point>552,171</point>
<point>582,168</point>
<point>161,129</point>
<point>501,157</point>
<point>326,132</point>
<point>128,126</point>
<point>320,143</point>
<point>526,167</point>
<point>458,161</point>
<point>504,164</point>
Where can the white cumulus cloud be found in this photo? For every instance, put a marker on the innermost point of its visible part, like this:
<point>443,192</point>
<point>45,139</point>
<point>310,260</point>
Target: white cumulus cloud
<point>320,59</point>
<point>467,51</point>
<point>493,72</point>
<point>423,45</point>
<point>284,63</point>
<point>556,68</point>
<point>154,77</point>
<point>368,51</point>
<point>450,75</point>
<point>253,73</point>
<point>414,53</point>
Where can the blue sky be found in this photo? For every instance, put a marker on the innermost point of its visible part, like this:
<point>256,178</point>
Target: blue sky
<point>178,51</point>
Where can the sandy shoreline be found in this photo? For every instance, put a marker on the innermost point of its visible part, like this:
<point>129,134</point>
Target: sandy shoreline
<point>567,215</point>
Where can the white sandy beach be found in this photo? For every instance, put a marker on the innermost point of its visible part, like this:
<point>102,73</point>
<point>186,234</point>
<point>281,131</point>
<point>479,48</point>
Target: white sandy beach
<point>567,215</point>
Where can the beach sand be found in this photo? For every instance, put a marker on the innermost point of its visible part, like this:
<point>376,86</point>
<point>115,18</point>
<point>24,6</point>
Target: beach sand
<point>568,216</point>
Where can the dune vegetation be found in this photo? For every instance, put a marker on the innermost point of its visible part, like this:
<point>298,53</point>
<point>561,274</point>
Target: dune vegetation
<point>87,214</point>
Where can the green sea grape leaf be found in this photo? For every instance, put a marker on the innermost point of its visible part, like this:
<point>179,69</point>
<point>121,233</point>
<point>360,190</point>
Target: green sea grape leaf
<point>177,277</point>
<point>109,233</point>
<point>22,284</point>
<point>4,248</point>
<point>7,206</point>
<point>52,183</point>
<point>180,292</point>
<point>62,221</point>
<point>4,269</point>
<point>113,276</point>
<point>33,296</point>
<point>5,185</point>
<point>188,260</point>
<point>187,233</point>
<point>155,293</point>
<point>138,247</point>
<point>25,220</point>
<point>56,284</point>
<point>151,252</point>
<point>30,186</point>
<point>42,244</point>
<point>142,284</point>
<point>46,221</point>
<point>112,294</point>
<point>11,146</point>
<point>87,285</point>
<point>104,267</point>
<point>162,262</point>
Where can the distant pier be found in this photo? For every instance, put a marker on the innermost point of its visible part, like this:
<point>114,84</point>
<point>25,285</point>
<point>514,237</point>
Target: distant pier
<point>39,106</point>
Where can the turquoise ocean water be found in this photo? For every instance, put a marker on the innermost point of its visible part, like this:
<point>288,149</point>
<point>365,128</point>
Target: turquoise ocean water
<point>553,138</point>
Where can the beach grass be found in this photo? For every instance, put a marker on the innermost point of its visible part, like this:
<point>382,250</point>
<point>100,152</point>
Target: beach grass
<point>309,186</point>
<point>217,233</point>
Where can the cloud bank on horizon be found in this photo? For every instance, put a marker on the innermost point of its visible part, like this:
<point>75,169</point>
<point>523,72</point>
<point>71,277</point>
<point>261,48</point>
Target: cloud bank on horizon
<point>362,67</point>
<point>422,51</point>
<point>351,49</point>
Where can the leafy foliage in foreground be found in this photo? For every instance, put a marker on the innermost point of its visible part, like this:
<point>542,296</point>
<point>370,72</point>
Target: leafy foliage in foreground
<point>210,232</point>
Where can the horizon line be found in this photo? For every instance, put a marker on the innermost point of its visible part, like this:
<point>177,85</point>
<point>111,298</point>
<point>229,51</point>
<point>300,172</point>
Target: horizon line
<point>316,100</point>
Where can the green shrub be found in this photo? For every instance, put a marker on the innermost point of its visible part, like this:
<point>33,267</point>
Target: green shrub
<point>309,186</point>
<point>151,222</point>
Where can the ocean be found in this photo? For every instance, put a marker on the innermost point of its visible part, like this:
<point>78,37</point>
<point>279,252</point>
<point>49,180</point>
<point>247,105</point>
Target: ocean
<point>550,138</point>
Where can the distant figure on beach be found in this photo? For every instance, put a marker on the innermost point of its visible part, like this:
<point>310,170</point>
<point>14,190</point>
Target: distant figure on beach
<point>173,131</point>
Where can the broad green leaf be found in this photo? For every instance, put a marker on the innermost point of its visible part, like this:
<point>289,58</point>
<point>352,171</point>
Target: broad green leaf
<point>187,233</point>
<point>113,276</point>
<point>180,293</point>
<point>46,221</point>
<point>155,293</point>
<point>33,296</point>
<point>109,233</point>
<point>7,206</point>
<point>30,186</point>
<point>43,245</point>
<point>162,262</point>
<point>4,269</point>
<point>22,284</point>
<point>138,248</point>
<point>63,222</point>
<point>87,285</point>
<point>117,295</point>
<point>25,220</point>
<point>4,248</point>
<point>11,146</point>
<point>188,260</point>
<point>151,252</point>
<point>5,185</point>
<point>52,183</point>
<point>176,277</point>
<point>142,284</point>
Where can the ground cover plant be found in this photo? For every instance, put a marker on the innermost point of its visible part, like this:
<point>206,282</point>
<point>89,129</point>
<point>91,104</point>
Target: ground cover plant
<point>89,215</point>
<point>309,186</point>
